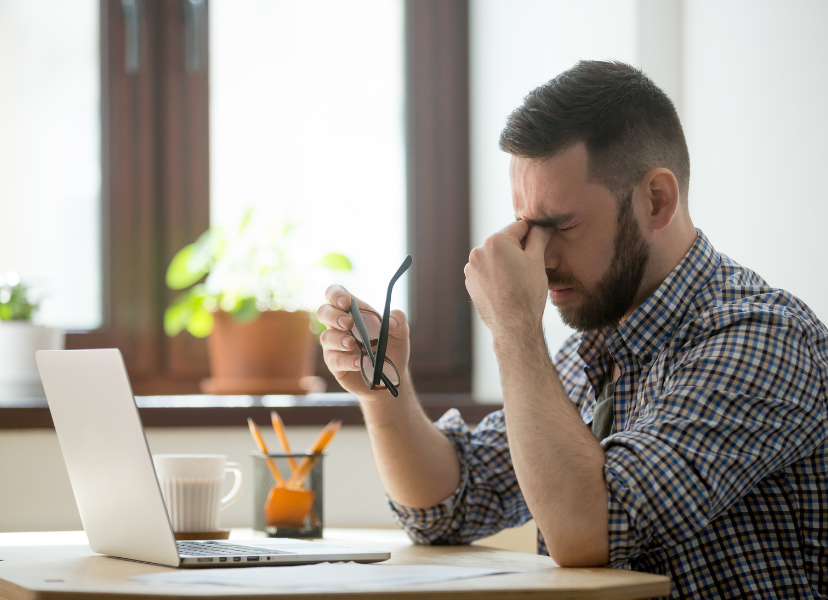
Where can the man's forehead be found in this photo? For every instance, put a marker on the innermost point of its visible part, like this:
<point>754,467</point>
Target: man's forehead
<point>553,190</point>
<point>543,189</point>
<point>548,209</point>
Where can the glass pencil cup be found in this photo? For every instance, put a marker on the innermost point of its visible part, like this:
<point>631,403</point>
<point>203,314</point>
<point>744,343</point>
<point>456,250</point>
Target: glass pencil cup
<point>287,494</point>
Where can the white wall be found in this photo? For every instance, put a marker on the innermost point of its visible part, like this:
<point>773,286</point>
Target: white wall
<point>35,494</point>
<point>756,120</point>
<point>749,80</point>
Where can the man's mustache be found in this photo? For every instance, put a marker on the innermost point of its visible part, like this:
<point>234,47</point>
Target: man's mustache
<point>559,280</point>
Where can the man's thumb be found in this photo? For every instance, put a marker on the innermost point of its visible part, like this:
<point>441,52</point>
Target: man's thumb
<point>536,241</point>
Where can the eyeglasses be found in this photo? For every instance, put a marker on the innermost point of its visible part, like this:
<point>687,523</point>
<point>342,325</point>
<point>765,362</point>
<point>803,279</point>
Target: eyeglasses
<point>371,335</point>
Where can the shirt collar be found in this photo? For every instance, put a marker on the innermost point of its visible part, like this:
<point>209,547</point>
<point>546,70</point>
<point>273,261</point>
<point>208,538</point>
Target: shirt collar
<point>650,326</point>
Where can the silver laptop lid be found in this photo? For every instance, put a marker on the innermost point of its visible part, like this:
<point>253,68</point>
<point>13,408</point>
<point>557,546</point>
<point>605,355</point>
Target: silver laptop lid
<point>106,454</point>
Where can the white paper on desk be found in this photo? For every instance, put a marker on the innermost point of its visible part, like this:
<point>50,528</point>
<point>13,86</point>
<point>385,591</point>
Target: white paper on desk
<point>331,577</point>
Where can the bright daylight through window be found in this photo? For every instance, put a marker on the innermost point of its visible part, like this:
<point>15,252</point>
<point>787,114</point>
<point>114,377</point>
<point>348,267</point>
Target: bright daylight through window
<point>50,165</point>
<point>307,125</point>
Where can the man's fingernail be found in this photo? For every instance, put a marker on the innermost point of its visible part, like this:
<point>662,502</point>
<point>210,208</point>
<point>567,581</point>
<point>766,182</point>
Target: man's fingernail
<point>393,323</point>
<point>346,342</point>
<point>356,362</point>
<point>343,322</point>
<point>343,302</point>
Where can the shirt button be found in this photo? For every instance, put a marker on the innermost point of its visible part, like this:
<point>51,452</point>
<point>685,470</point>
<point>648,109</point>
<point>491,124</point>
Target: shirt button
<point>646,359</point>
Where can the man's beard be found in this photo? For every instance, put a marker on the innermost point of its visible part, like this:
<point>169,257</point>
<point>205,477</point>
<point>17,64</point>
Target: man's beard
<point>615,293</point>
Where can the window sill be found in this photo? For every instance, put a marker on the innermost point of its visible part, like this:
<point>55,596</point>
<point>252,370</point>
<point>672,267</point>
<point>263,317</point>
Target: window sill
<point>233,411</point>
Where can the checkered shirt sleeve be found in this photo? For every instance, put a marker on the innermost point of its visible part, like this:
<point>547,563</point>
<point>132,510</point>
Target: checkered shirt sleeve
<point>488,498</point>
<point>740,401</point>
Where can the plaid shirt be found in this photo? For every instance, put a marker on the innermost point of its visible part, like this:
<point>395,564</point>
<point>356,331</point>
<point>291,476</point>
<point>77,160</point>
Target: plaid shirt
<point>717,476</point>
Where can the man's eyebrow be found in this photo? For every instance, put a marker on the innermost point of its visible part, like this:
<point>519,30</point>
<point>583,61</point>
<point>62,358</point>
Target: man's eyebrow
<point>550,221</point>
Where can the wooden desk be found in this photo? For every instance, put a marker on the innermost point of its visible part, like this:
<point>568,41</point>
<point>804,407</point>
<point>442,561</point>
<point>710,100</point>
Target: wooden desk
<point>70,569</point>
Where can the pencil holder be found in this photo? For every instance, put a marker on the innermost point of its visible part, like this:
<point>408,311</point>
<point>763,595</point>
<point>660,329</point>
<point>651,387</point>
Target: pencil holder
<point>287,494</point>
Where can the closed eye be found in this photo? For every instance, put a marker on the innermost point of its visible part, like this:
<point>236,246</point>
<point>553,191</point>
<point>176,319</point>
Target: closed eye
<point>553,224</point>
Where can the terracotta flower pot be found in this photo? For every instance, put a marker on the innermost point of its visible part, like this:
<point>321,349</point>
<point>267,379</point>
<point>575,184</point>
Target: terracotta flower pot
<point>275,354</point>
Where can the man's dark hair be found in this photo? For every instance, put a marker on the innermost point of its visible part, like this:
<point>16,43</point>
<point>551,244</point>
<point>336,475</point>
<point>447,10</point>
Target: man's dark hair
<point>628,124</point>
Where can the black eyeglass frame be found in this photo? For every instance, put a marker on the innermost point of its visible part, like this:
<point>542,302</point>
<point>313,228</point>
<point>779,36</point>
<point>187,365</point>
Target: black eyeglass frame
<point>369,351</point>
<point>379,359</point>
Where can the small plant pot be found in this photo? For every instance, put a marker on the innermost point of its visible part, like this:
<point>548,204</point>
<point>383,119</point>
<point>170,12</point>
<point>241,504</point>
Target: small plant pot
<point>275,354</point>
<point>19,340</point>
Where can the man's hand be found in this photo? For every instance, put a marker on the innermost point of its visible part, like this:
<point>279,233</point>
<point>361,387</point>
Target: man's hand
<point>341,352</point>
<point>506,278</point>
<point>416,462</point>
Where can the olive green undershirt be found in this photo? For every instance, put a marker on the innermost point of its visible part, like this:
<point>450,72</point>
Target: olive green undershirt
<point>603,423</point>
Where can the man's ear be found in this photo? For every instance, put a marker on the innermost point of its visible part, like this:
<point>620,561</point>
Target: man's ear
<point>661,197</point>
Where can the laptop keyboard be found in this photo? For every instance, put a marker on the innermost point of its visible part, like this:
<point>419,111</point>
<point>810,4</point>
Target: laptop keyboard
<point>222,549</point>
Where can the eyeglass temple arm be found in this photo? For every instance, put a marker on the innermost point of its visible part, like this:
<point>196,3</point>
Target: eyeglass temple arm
<point>386,315</point>
<point>362,329</point>
<point>366,342</point>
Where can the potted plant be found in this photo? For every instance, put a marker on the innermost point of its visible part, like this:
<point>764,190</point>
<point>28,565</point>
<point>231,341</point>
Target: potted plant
<point>20,339</point>
<point>247,290</point>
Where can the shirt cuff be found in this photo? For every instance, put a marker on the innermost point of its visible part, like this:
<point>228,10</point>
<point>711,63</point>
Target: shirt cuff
<point>431,525</point>
<point>623,543</point>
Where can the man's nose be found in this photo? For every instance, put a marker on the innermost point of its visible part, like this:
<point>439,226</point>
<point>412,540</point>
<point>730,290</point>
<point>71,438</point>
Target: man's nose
<point>551,258</point>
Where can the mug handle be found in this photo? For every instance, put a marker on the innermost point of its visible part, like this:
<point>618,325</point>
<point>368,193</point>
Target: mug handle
<point>238,481</point>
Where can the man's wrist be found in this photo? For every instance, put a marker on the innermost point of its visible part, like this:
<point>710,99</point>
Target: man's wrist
<point>518,337</point>
<point>382,409</point>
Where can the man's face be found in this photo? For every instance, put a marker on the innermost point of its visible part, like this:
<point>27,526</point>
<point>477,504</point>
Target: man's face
<point>596,256</point>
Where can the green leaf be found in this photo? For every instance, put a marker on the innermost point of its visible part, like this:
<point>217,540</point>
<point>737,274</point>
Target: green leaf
<point>180,274</point>
<point>335,262</point>
<point>205,251</point>
<point>246,311</point>
<point>245,221</point>
<point>315,325</point>
<point>201,322</point>
<point>182,311</point>
<point>177,316</point>
<point>19,303</point>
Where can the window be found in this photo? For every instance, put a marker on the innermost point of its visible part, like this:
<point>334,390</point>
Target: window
<point>156,127</point>
<point>307,124</point>
<point>50,165</point>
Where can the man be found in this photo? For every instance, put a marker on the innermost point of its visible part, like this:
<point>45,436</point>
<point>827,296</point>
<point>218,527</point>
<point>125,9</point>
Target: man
<point>682,432</point>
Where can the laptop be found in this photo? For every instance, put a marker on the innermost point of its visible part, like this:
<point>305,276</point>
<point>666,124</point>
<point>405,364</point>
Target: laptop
<point>114,481</point>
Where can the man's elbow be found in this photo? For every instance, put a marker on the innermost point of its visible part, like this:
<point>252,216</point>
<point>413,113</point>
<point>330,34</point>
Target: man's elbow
<point>583,551</point>
<point>579,558</point>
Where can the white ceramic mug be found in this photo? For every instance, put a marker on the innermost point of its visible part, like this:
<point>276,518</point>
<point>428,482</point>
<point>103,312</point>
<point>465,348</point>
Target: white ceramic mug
<point>191,484</point>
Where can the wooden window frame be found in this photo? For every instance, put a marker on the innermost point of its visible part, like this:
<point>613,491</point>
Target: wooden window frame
<point>155,149</point>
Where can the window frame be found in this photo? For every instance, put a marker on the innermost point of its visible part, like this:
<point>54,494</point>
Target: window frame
<point>155,168</point>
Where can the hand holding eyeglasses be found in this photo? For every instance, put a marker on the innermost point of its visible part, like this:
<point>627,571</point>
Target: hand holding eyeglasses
<point>366,352</point>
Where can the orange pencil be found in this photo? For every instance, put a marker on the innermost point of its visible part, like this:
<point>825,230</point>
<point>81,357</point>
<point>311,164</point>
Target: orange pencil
<point>257,436</point>
<point>307,464</point>
<point>279,427</point>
